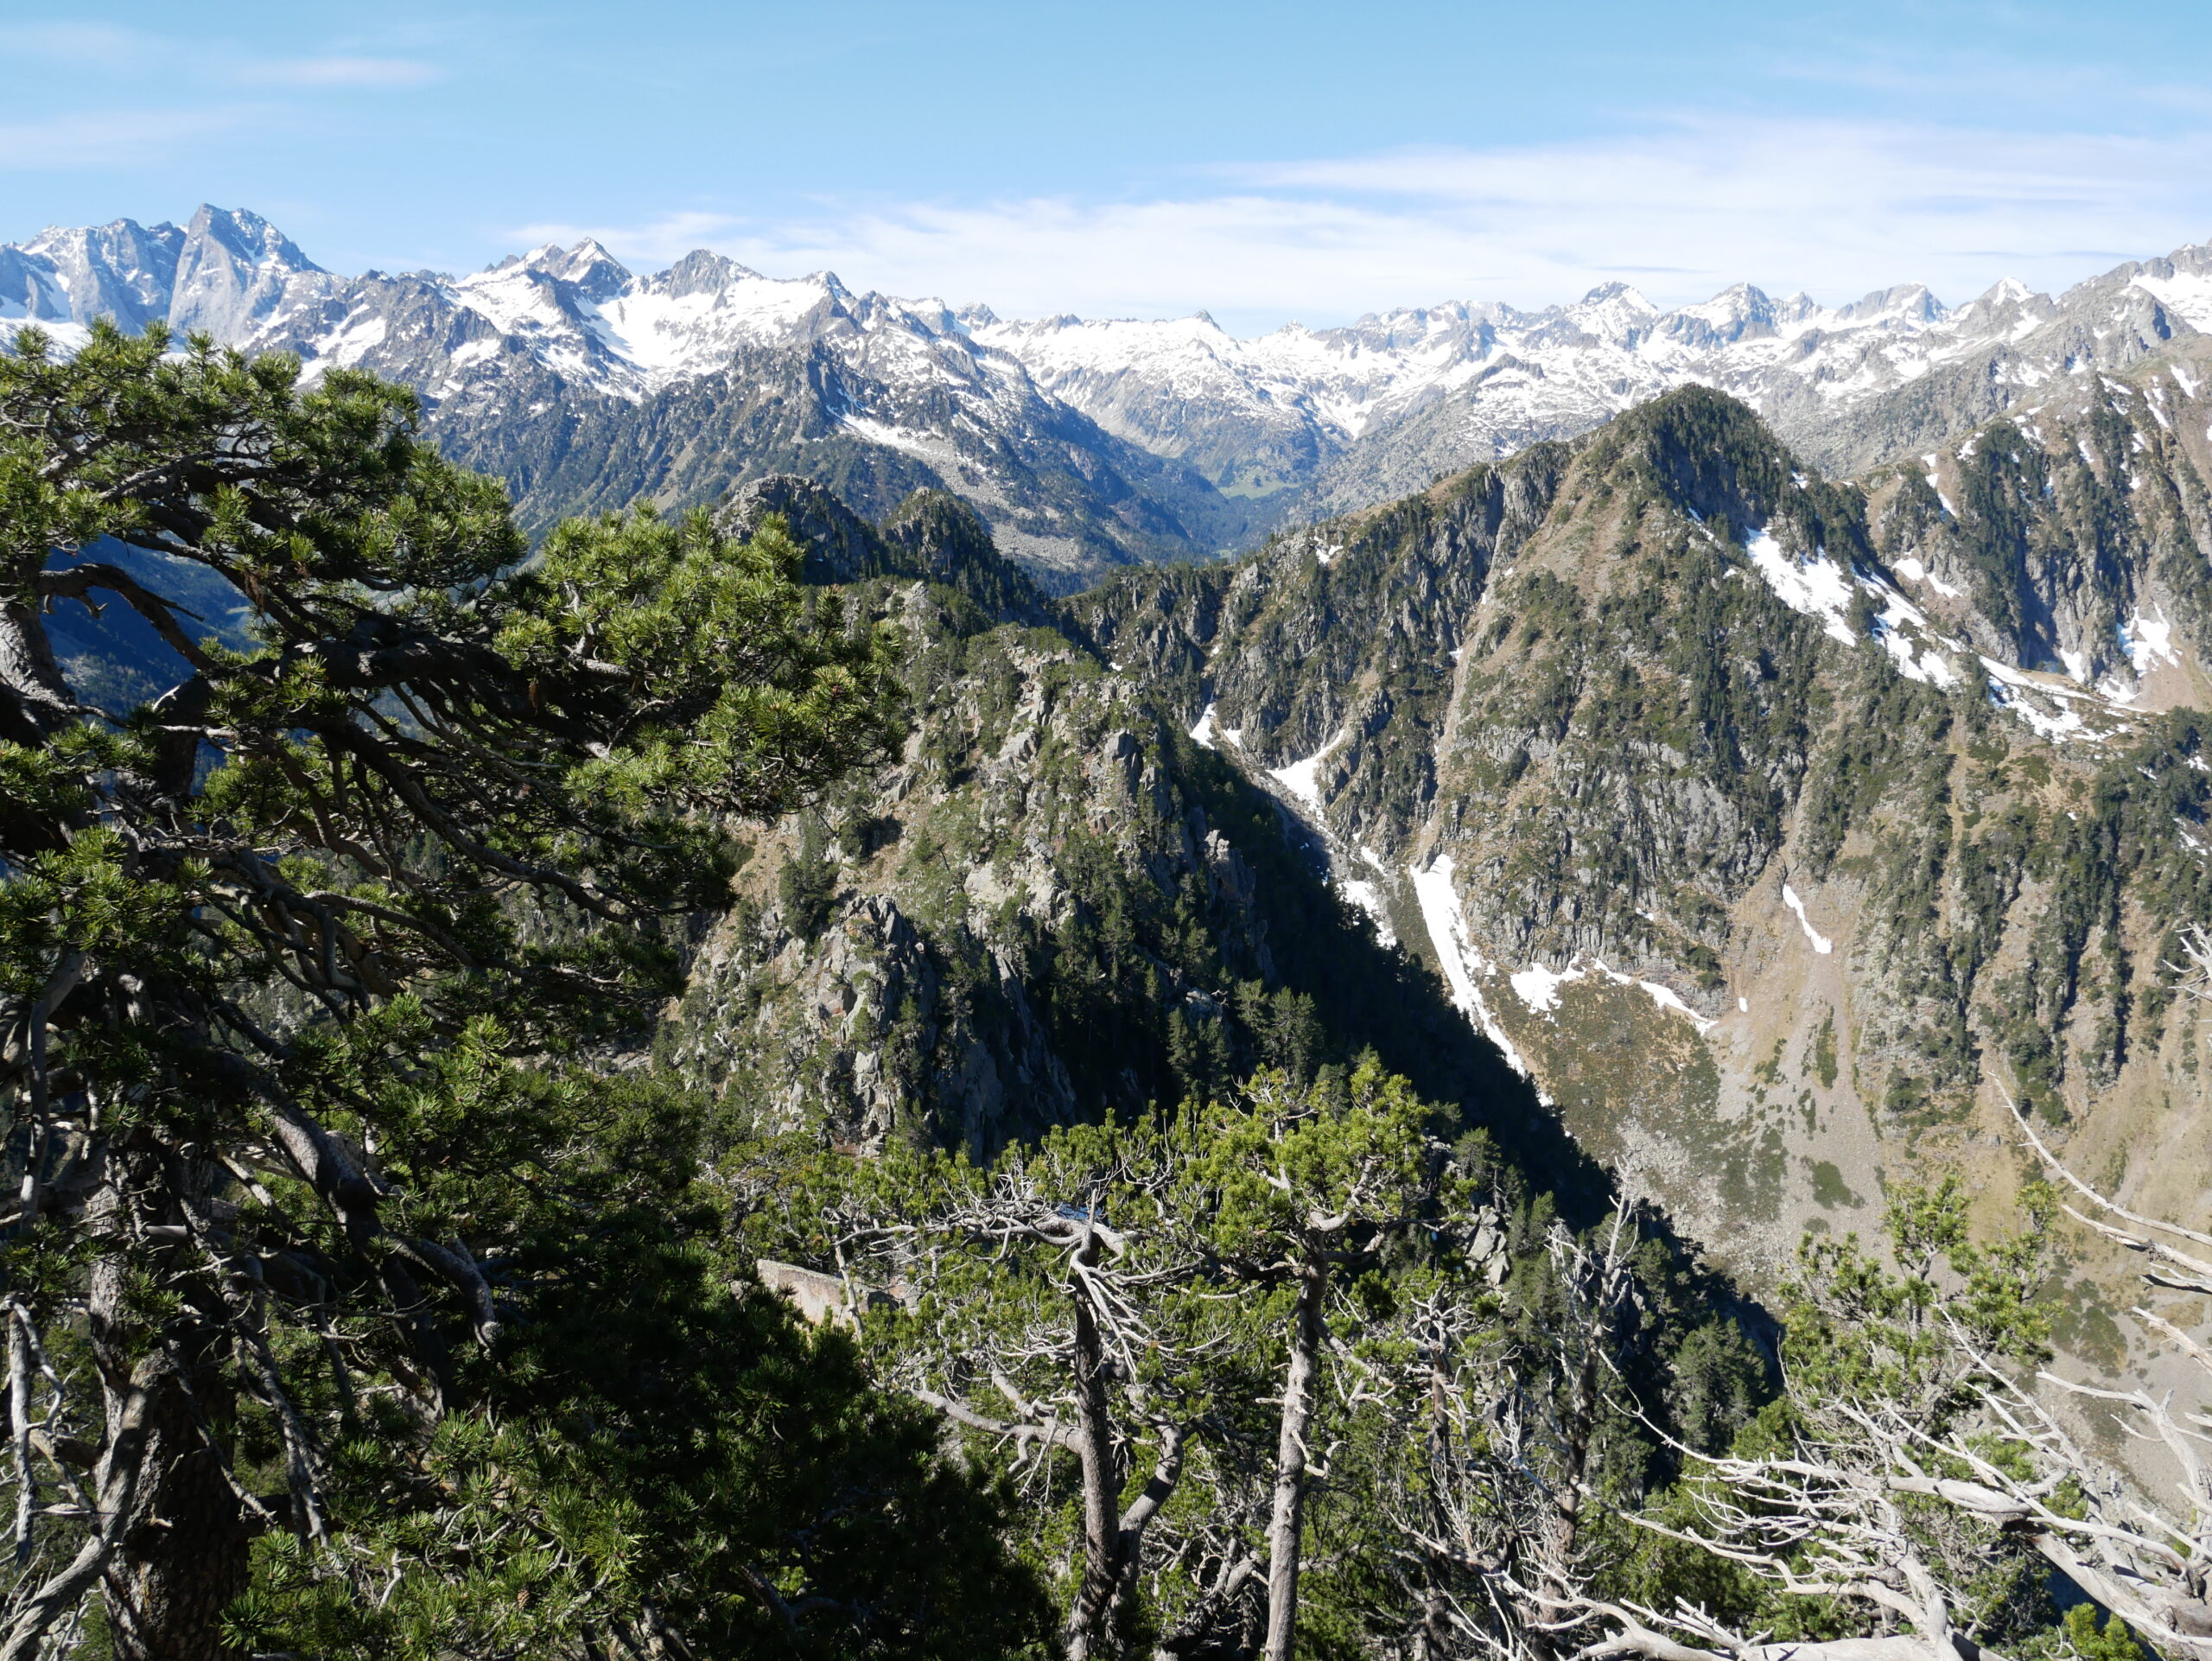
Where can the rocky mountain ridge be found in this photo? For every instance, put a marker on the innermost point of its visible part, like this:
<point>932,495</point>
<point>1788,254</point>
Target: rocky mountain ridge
<point>1050,904</point>
<point>1776,830</point>
<point>1763,835</point>
<point>1086,444</point>
<point>586,387</point>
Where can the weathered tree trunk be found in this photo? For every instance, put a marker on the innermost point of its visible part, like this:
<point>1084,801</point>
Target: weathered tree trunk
<point>184,1558</point>
<point>1087,1636</point>
<point>34,700</point>
<point>1581,1426</point>
<point>1285,1527</point>
<point>1167,1474</point>
<point>181,1568</point>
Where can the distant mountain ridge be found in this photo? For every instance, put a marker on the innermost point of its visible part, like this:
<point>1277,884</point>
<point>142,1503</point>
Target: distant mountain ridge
<point>587,387</point>
<point>1085,444</point>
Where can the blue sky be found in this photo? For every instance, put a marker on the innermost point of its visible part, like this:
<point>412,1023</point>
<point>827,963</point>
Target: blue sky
<point>1261,160</point>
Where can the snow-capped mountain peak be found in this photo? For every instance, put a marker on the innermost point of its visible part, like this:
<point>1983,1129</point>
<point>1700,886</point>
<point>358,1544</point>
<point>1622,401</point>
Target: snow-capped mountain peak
<point>588,267</point>
<point>122,270</point>
<point>1615,312</point>
<point>2182,283</point>
<point>581,312</point>
<point>1305,419</point>
<point>239,237</point>
<point>1908,302</point>
<point>1729,316</point>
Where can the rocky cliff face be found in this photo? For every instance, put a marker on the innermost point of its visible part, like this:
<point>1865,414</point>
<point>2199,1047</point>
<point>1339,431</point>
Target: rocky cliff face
<point>1774,828</point>
<point>1052,905</point>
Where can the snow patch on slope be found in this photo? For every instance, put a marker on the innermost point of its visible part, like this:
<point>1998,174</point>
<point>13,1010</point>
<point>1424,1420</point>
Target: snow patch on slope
<point>1369,898</point>
<point>1447,932</point>
<point>2148,642</point>
<point>1538,988</point>
<point>1818,588</point>
<point>1912,571</point>
<point>1821,942</point>
<point>1303,778</point>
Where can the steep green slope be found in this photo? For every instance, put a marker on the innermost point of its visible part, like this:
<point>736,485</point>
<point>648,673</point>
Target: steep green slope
<point>1053,906</point>
<point>1690,773</point>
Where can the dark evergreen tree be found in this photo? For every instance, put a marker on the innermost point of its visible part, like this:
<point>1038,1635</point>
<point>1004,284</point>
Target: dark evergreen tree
<point>313,1238</point>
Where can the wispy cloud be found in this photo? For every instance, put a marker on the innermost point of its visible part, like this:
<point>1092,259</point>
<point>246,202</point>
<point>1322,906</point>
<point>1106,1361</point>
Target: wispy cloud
<point>175,102</point>
<point>1686,207</point>
<point>75,43</point>
<point>111,138</point>
<point>110,47</point>
<point>371,72</point>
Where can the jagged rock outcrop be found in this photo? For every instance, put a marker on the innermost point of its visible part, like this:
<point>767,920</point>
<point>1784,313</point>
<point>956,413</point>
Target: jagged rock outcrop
<point>940,538</point>
<point>868,1030</point>
<point>931,535</point>
<point>840,546</point>
<point>1050,904</point>
<point>1768,823</point>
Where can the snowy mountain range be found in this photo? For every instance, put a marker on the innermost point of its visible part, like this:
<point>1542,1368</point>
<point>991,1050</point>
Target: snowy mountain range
<point>1087,444</point>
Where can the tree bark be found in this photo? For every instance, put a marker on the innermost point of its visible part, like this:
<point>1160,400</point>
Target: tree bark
<point>185,1564</point>
<point>1166,1474</point>
<point>35,701</point>
<point>1101,1529</point>
<point>1286,1525</point>
<point>184,1558</point>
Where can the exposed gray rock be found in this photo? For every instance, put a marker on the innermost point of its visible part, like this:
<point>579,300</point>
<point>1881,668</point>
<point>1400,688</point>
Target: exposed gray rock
<point>589,388</point>
<point>1084,445</point>
<point>840,546</point>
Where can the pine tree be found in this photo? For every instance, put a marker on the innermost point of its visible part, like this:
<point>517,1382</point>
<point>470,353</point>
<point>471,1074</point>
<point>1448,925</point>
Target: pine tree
<point>1165,1305</point>
<point>290,958</point>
